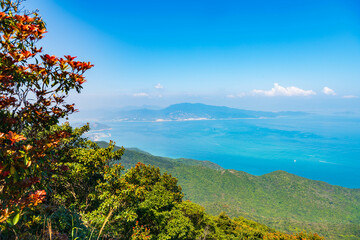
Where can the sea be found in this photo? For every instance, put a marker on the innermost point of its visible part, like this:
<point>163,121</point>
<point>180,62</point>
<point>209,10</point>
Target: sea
<point>325,148</point>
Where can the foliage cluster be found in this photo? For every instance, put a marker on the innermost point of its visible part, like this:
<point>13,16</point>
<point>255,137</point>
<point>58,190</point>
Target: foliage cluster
<point>55,184</point>
<point>33,88</point>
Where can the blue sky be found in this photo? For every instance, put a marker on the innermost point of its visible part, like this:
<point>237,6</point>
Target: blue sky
<point>263,55</point>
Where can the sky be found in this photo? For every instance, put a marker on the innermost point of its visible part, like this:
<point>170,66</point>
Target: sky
<point>261,55</point>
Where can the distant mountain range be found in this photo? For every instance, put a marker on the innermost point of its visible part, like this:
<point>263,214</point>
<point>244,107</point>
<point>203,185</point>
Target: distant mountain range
<point>278,199</point>
<point>196,111</point>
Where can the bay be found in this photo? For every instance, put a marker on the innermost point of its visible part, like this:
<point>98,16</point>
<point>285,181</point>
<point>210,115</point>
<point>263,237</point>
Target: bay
<point>325,148</point>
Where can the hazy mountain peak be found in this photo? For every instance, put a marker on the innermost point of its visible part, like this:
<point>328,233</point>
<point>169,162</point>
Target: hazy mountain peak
<point>195,111</point>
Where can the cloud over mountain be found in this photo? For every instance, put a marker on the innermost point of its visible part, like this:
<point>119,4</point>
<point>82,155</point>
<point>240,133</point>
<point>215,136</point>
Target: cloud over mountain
<point>278,90</point>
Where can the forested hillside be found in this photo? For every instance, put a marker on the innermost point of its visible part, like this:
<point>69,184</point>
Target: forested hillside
<point>279,199</point>
<point>88,195</point>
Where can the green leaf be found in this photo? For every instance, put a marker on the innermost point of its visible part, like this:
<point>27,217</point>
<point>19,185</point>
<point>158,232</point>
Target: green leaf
<point>9,222</point>
<point>16,219</point>
<point>12,170</point>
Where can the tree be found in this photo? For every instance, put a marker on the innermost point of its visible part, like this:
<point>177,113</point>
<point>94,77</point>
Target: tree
<point>33,88</point>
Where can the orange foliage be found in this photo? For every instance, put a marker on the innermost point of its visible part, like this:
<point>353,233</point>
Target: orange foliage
<point>33,87</point>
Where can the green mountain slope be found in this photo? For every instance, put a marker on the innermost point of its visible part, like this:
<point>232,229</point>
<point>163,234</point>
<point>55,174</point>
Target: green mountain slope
<point>279,199</point>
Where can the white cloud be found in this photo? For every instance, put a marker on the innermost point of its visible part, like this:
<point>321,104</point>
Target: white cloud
<point>142,94</point>
<point>278,90</point>
<point>350,96</point>
<point>159,86</point>
<point>328,91</point>
<point>239,95</point>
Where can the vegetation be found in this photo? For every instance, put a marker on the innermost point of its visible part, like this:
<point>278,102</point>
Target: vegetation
<point>32,101</point>
<point>55,184</point>
<point>280,200</point>
<point>94,198</point>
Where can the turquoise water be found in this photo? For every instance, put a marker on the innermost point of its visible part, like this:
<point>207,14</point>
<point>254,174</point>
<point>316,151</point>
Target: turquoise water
<point>320,148</point>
